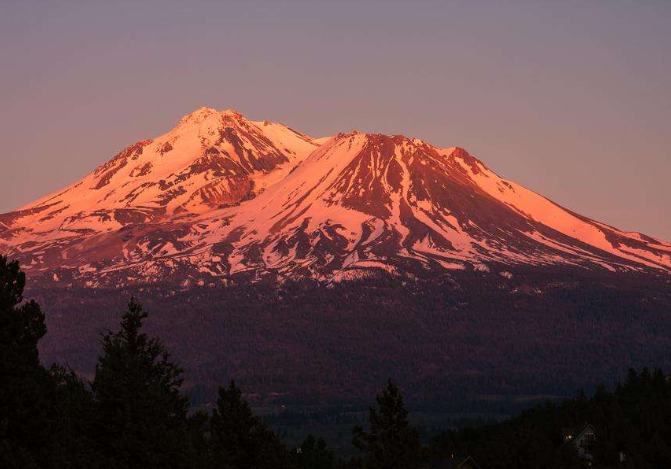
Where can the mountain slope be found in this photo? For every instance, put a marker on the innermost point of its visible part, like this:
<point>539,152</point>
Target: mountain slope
<point>220,195</point>
<point>209,159</point>
<point>364,201</point>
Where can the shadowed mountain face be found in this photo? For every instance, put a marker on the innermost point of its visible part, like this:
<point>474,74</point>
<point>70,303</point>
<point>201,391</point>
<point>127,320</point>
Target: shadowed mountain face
<point>473,340</point>
<point>219,196</point>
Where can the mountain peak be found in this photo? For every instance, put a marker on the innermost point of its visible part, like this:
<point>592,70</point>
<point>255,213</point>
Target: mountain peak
<point>220,194</point>
<point>231,113</point>
<point>202,114</point>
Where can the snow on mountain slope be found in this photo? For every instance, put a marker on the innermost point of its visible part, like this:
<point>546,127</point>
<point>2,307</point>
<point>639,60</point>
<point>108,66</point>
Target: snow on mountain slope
<point>363,201</point>
<point>632,246</point>
<point>209,159</point>
<point>220,195</point>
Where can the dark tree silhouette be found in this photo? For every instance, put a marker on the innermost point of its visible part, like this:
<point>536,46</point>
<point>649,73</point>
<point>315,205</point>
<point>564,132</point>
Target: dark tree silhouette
<point>25,409</point>
<point>43,414</point>
<point>240,439</point>
<point>632,427</point>
<point>141,414</point>
<point>390,443</point>
<point>314,454</point>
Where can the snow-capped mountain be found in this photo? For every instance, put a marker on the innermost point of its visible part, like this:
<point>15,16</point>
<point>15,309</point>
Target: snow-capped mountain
<point>220,195</point>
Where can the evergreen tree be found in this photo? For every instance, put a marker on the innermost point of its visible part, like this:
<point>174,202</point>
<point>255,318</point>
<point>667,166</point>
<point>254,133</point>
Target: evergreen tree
<point>201,454</point>
<point>75,414</point>
<point>45,415</point>
<point>21,325</point>
<point>26,408</point>
<point>314,454</point>
<point>391,442</point>
<point>141,415</point>
<point>241,439</point>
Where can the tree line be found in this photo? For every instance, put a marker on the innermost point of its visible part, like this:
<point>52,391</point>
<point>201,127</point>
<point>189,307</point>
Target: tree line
<point>300,343</point>
<point>632,425</point>
<point>134,414</point>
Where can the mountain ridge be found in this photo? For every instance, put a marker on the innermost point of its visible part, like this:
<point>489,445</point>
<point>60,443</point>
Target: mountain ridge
<point>220,195</point>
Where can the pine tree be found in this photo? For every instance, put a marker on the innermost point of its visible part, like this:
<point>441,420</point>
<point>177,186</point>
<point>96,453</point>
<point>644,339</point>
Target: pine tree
<point>200,451</point>
<point>391,442</point>
<point>25,408</point>
<point>314,454</point>
<point>141,414</point>
<point>75,411</point>
<point>21,327</point>
<point>44,415</point>
<point>241,439</point>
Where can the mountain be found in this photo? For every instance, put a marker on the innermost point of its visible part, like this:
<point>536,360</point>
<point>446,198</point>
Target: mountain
<point>220,197</point>
<point>311,270</point>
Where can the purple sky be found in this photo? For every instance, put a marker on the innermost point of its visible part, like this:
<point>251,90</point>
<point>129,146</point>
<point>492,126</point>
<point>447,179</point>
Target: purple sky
<point>571,99</point>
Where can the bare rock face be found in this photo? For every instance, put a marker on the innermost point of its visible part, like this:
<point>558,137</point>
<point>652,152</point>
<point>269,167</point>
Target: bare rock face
<point>220,195</point>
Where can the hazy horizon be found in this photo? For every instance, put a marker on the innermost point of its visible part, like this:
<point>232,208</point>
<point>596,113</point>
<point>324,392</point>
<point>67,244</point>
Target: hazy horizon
<point>571,101</point>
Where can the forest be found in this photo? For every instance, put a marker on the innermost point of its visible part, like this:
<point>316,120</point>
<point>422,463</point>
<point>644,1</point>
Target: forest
<point>471,339</point>
<point>135,411</point>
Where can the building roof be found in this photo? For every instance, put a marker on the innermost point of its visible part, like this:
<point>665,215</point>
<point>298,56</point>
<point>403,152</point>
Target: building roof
<point>577,432</point>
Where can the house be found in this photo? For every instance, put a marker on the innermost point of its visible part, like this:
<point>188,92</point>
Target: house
<point>583,438</point>
<point>455,462</point>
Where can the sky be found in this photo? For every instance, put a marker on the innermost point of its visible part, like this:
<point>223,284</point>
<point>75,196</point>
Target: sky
<point>571,99</point>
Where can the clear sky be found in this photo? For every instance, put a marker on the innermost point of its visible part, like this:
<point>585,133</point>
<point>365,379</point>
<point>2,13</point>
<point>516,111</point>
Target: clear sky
<point>571,99</point>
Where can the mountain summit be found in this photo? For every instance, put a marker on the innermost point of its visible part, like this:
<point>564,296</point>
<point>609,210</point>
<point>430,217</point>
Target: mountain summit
<point>220,195</point>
